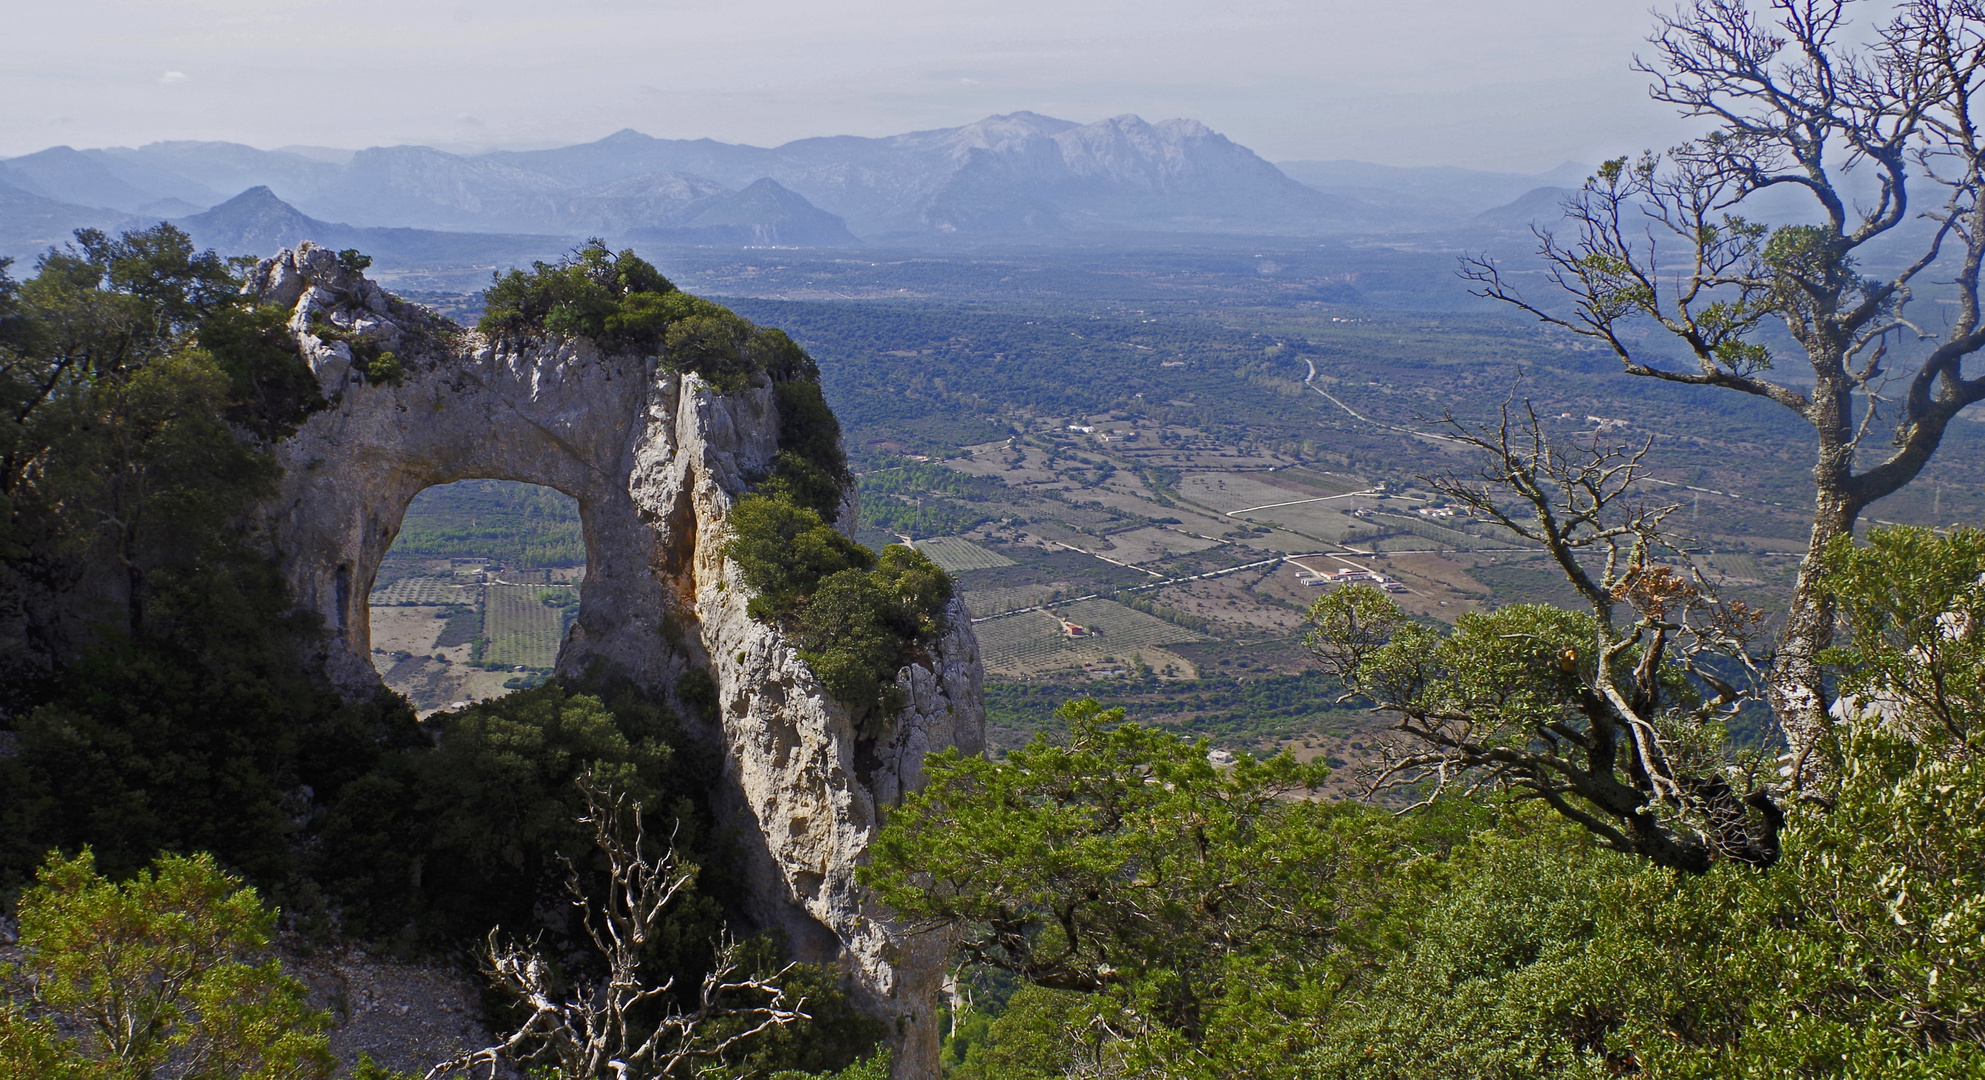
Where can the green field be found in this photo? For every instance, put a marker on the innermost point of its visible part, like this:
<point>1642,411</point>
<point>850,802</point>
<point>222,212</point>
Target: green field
<point>1033,642</point>
<point>512,523</point>
<point>423,590</point>
<point>985,602</point>
<point>521,630</point>
<point>955,555</point>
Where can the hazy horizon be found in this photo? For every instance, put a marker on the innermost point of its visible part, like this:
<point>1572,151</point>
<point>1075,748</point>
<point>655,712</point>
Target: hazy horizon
<point>1520,87</point>
<point>339,154</point>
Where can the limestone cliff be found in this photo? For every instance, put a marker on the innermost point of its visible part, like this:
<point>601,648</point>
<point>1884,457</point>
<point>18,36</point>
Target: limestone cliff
<point>655,460</point>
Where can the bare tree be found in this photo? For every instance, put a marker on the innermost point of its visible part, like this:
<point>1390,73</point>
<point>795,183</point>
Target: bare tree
<point>613,1025</point>
<point>1796,103</point>
<point>1613,720</point>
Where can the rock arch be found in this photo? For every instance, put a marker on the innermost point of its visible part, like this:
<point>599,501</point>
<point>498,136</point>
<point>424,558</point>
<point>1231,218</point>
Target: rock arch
<point>654,460</point>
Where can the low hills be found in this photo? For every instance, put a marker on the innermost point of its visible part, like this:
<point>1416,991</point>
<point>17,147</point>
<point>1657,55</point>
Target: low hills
<point>256,221</point>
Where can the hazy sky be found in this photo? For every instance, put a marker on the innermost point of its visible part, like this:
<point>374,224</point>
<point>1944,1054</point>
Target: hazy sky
<point>1518,84</point>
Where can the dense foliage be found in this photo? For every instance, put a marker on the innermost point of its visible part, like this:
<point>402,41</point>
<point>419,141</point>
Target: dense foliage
<point>169,973</point>
<point>1116,861</point>
<point>623,304</point>
<point>512,523</point>
<point>617,300</point>
<point>156,698</point>
<point>149,668</point>
<point>440,843</point>
<point>1492,937</point>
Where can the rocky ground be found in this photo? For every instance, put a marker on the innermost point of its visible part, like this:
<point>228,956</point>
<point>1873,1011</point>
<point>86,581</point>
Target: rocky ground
<point>405,1016</point>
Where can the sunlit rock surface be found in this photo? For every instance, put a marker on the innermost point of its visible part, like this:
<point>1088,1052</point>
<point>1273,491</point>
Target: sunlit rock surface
<point>655,461</point>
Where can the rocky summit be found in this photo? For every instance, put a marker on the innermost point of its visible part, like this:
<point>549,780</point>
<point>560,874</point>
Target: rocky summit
<point>655,460</point>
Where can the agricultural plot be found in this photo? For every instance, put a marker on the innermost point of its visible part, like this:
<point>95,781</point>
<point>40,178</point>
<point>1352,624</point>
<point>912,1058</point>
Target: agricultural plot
<point>1124,627</point>
<point>1735,567</point>
<point>985,602</point>
<point>520,628</point>
<point>405,628</point>
<point>1035,642</point>
<point>1322,519</point>
<point>423,590</point>
<point>1231,491</point>
<point>955,555</point>
<point>1154,543</point>
<point>1420,533</point>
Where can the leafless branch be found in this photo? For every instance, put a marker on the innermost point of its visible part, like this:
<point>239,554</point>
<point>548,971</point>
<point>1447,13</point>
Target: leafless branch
<point>613,1025</point>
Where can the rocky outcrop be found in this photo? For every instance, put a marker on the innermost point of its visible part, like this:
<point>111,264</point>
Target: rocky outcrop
<point>655,460</point>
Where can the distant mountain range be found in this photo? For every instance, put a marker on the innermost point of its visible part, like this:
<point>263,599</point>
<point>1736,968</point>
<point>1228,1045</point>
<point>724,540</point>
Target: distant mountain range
<point>256,222</point>
<point>1020,174</point>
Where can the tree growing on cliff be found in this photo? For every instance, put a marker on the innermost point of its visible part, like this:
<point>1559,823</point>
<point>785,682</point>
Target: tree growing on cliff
<point>167,974</point>
<point>1794,102</point>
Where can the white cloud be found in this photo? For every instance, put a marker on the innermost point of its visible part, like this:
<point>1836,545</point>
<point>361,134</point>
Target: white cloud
<point>171,77</point>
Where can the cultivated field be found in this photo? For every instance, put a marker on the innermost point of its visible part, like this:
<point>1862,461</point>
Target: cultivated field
<point>522,630</point>
<point>423,590</point>
<point>407,628</point>
<point>1035,642</point>
<point>985,602</point>
<point>955,555</point>
<point>432,686</point>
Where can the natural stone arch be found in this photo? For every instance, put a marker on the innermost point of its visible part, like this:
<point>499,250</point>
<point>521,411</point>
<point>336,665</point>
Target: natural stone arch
<point>655,460</point>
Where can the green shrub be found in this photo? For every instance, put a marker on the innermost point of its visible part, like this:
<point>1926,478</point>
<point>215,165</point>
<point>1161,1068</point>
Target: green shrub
<point>439,845</point>
<point>811,468</point>
<point>714,345</point>
<point>614,299</point>
<point>623,304</point>
<point>168,974</point>
<point>856,618</point>
<point>696,689</point>
<point>784,550</point>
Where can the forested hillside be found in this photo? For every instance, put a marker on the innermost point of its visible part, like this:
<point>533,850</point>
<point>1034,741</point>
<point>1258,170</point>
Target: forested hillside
<point>1585,682</point>
<point>160,697</point>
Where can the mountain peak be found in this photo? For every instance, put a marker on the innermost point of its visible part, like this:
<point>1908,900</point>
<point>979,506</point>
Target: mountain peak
<point>258,221</point>
<point>626,136</point>
<point>53,153</point>
<point>766,212</point>
<point>259,195</point>
<point>1185,128</point>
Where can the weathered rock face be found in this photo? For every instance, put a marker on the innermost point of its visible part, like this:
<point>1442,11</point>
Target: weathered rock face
<point>655,461</point>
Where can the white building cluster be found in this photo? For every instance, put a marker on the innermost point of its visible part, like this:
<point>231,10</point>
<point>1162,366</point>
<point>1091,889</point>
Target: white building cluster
<point>1349,574</point>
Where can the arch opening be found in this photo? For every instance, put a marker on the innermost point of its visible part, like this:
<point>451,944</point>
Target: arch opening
<point>478,591</point>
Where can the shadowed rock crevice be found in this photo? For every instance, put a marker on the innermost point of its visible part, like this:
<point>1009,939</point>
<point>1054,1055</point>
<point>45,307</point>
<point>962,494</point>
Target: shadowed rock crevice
<point>655,460</point>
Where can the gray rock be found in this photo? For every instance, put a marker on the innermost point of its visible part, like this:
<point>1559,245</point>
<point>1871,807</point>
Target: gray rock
<point>655,461</point>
